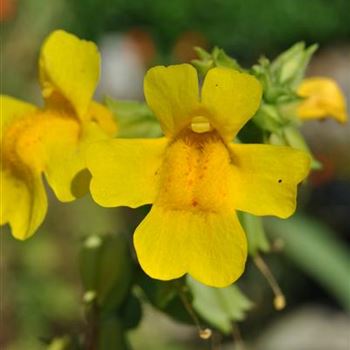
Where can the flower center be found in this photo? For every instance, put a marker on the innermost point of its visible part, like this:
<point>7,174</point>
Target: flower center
<point>196,173</point>
<point>26,141</point>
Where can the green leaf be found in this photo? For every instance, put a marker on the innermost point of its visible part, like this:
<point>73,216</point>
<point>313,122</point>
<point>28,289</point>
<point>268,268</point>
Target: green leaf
<point>115,272</point>
<point>130,312</point>
<point>254,228</point>
<point>164,295</point>
<point>134,119</point>
<point>316,250</point>
<point>159,293</point>
<point>220,307</point>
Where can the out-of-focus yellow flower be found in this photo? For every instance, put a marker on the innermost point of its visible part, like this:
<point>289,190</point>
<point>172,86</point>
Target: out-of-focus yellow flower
<point>323,98</point>
<point>195,176</point>
<point>51,140</point>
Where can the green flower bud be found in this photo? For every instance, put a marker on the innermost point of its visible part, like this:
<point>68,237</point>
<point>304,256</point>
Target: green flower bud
<point>289,67</point>
<point>268,118</point>
<point>217,58</point>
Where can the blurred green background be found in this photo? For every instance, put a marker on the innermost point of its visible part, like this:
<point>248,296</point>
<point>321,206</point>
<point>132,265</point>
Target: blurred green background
<point>41,288</point>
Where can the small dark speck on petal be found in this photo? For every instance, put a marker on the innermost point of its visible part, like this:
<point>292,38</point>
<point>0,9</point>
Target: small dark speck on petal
<point>279,181</point>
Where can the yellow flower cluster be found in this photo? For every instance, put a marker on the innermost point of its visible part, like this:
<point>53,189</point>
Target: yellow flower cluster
<point>195,176</point>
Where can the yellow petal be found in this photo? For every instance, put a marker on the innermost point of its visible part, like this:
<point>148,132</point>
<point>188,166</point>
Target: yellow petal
<point>232,99</point>
<point>65,167</point>
<point>323,98</point>
<point>172,94</point>
<point>66,154</point>
<point>209,246</point>
<point>103,117</point>
<point>23,203</point>
<point>125,172</point>
<point>265,178</point>
<point>69,70</point>
<point>11,109</point>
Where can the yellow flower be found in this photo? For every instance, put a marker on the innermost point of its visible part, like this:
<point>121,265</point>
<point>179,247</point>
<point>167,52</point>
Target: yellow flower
<point>51,140</point>
<point>323,98</point>
<point>195,176</point>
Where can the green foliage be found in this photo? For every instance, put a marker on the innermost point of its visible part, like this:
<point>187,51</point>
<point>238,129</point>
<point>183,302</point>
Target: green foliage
<point>64,343</point>
<point>106,269</point>
<point>111,335</point>
<point>107,272</point>
<point>281,77</point>
<point>165,296</point>
<point>290,66</point>
<point>216,58</point>
<point>315,249</point>
<point>269,119</point>
<point>134,119</point>
<point>277,115</point>
<point>89,260</point>
<point>38,289</point>
<point>254,228</point>
<point>248,27</point>
<point>295,139</point>
<point>220,307</point>
<point>131,312</point>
